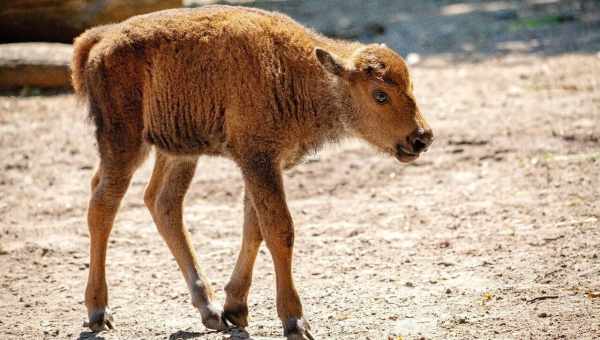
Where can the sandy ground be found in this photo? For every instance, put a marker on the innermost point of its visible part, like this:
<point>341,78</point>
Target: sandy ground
<point>494,233</point>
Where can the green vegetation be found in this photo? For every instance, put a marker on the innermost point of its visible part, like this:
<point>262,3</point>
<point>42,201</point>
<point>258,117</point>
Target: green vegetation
<point>538,22</point>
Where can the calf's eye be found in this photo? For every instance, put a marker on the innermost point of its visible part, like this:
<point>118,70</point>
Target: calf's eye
<point>380,97</point>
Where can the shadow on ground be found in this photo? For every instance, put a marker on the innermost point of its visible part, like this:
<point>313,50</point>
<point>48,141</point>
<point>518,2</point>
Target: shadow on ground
<point>233,334</point>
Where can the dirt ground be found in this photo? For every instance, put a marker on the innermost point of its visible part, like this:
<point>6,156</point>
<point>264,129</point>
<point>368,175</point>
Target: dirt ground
<point>492,234</point>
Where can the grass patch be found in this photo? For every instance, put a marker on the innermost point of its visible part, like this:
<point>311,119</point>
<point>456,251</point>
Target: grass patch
<point>539,22</point>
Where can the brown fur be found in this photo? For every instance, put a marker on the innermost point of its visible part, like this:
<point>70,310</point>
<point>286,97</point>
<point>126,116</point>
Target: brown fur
<point>247,84</point>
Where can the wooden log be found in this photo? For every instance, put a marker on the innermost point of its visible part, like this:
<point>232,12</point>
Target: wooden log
<point>63,20</point>
<point>44,65</point>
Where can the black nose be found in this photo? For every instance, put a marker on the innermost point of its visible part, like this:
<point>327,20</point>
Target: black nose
<point>420,139</point>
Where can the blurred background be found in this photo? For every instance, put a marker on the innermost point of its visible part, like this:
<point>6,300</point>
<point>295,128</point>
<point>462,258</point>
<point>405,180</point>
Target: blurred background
<point>458,29</point>
<point>494,233</point>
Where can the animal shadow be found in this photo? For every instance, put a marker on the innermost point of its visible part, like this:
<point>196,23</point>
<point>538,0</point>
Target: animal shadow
<point>233,334</point>
<point>90,336</point>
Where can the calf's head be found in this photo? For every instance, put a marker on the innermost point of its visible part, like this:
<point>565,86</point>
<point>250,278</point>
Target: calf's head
<point>385,110</point>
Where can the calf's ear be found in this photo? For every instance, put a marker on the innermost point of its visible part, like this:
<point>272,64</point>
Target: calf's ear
<point>332,63</point>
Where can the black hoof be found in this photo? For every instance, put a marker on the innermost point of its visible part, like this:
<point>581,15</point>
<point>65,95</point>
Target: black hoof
<point>101,320</point>
<point>237,315</point>
<point>297,329</point>
<point>212,318</point>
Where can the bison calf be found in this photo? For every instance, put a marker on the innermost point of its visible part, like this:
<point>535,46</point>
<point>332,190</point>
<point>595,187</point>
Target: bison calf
<point>246,84</point>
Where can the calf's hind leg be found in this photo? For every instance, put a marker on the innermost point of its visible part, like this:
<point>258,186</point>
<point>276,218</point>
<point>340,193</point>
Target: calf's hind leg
<point>164,196</point>
<point>236,304</point>
<point>109,185</point>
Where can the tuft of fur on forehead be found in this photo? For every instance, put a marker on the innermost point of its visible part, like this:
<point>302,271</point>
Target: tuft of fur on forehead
<point>382,63</point>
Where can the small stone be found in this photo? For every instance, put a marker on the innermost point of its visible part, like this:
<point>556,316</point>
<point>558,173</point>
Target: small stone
<point>543,315</point>
<point>413,58</point>
<point>409,284</point>
<point>448,291</point>
<point>444,244</point>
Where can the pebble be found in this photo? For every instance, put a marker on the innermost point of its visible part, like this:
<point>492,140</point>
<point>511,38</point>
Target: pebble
<point>413,58</point>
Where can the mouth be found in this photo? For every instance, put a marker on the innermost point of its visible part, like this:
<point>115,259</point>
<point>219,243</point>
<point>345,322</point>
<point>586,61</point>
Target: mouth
<point>405,156</point>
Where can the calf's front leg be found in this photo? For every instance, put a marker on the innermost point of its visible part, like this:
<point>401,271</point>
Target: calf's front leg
<point>264,184</point>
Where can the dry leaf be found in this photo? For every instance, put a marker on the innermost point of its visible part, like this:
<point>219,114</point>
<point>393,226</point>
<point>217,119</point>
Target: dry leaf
<point>593,295</point>
<point>487,296</point>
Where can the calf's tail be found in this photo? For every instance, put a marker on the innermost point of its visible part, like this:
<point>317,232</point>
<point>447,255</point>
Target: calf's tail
<point>82,46</point>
